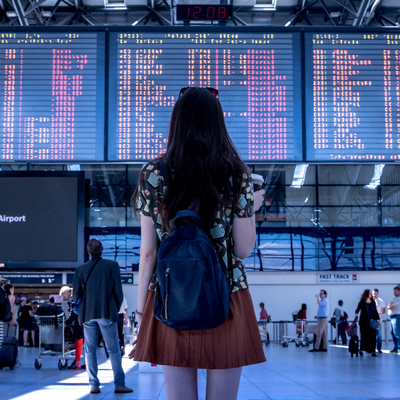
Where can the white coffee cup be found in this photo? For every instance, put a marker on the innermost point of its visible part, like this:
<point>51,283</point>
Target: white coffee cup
<point>258,181</point>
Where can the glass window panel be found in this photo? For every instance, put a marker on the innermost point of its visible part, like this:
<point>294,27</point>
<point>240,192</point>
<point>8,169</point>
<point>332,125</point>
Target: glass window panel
<point>348,216</point>
<point>110,196</point>
<point>345,174</point>
<point>347,195</point>
<point>106,217</point>
<point>13,167</point>
<point>390,195</point>
<point>132,219</point>
<point>48,167</point>
<point>304,196</point>
<point>133,173</point>
<point>387,254</point>
<point>299,216</point>
<point>390,216</point>
<point>310,174</point>
<point>105,174</point>
<point>122,248</point>
<point>390,175</point>
<point>283,252</point>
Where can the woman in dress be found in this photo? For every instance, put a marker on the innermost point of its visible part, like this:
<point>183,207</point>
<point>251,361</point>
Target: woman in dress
<point>369,312</point>
<point>204,173</point>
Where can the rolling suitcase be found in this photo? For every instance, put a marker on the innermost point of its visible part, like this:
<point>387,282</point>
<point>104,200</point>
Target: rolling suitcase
<point>353,346</point>
<point>9,351</point>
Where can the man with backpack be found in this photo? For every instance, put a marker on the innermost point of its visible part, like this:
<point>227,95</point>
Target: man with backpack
<point>97,285</point>
<point>341,321</point>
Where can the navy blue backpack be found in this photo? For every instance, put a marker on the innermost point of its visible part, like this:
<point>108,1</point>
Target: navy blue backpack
<point>191,292</point>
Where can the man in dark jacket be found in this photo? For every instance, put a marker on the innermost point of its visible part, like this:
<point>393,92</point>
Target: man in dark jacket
<point>98,284</point>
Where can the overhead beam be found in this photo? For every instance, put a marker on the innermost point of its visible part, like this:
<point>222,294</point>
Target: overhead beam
<point>361,13</point>
<point>20,13</point>
<point>87,20</point>
<point>33,7</point>
<point>68,19</point>
<point>372,11</point>
<point>351,9</point>
<point>328,12</point>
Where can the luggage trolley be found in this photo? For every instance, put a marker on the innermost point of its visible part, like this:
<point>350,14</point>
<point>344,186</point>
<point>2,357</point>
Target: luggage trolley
<point>301,338</point>
<point>56,337</point>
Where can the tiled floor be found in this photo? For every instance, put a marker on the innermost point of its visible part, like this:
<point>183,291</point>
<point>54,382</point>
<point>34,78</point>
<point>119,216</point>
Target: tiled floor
<point>289,373</point>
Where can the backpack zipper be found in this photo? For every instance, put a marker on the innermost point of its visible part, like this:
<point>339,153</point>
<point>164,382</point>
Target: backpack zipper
<point>167,291</point>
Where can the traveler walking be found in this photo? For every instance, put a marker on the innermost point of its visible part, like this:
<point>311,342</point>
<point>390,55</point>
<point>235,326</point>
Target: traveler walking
<point>341,321</point>
<point>369,322</point>
<point>380,307</point>
<point>201,171</point>
<point>394,314</point>
<point>98,284</point>
<point>322,322</point>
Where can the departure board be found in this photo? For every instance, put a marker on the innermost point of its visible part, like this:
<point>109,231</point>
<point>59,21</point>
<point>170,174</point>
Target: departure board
<point>52,87</point>
<point>257,75</point>
<point>353,96</point>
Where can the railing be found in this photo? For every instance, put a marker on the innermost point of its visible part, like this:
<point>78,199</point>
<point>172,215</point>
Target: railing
<point>288,328</point>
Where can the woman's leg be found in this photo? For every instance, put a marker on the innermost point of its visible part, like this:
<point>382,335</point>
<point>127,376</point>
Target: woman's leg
<point>78,351</point>
<point>180,383</point>
<point>26,338</point>
<point>223,383</point>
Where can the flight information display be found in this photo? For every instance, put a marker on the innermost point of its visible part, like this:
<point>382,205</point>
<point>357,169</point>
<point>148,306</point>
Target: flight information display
<point>258,76</point>
<point>353,96</point>
<point>52,91</point>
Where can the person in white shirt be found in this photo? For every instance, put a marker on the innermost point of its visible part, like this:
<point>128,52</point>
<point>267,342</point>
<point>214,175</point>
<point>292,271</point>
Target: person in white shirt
<point>380,306</point>
<point>122,318</point>
<point>394,314</point>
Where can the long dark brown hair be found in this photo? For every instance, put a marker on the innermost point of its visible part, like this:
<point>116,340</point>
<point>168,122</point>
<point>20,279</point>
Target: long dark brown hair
<point>200,159</point>
<point>365,295</point>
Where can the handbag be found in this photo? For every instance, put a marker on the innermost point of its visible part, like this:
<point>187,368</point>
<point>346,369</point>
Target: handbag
<point>373,324</point>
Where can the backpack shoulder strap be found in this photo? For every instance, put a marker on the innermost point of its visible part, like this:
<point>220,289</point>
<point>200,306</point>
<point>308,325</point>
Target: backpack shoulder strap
<point>90,272</point>
<point>84,285</point>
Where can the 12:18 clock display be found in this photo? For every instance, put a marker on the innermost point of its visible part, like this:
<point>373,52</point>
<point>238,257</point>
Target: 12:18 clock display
<point>203,12</point>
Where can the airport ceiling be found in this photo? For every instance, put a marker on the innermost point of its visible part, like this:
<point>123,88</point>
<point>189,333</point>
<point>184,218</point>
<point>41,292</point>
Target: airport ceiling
<point>161,12</point>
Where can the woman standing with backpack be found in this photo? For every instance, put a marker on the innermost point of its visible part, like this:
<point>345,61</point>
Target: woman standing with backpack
<point>200,171</point>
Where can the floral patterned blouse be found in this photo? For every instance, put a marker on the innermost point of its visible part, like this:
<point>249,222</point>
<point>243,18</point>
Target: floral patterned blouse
<point>151,189</point>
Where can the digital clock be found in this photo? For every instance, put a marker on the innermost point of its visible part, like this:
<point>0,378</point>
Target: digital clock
<point>192,12</point>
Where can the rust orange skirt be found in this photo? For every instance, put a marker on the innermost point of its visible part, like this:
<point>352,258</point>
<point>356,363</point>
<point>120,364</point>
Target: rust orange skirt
<point>233,344</point>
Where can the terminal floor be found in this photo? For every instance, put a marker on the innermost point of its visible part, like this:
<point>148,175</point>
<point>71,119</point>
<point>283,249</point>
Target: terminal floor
<point>289,373</point>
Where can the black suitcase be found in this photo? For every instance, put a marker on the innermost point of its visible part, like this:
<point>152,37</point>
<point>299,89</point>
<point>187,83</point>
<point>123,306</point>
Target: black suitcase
<point>353,346</point>
<point>9,352</point>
